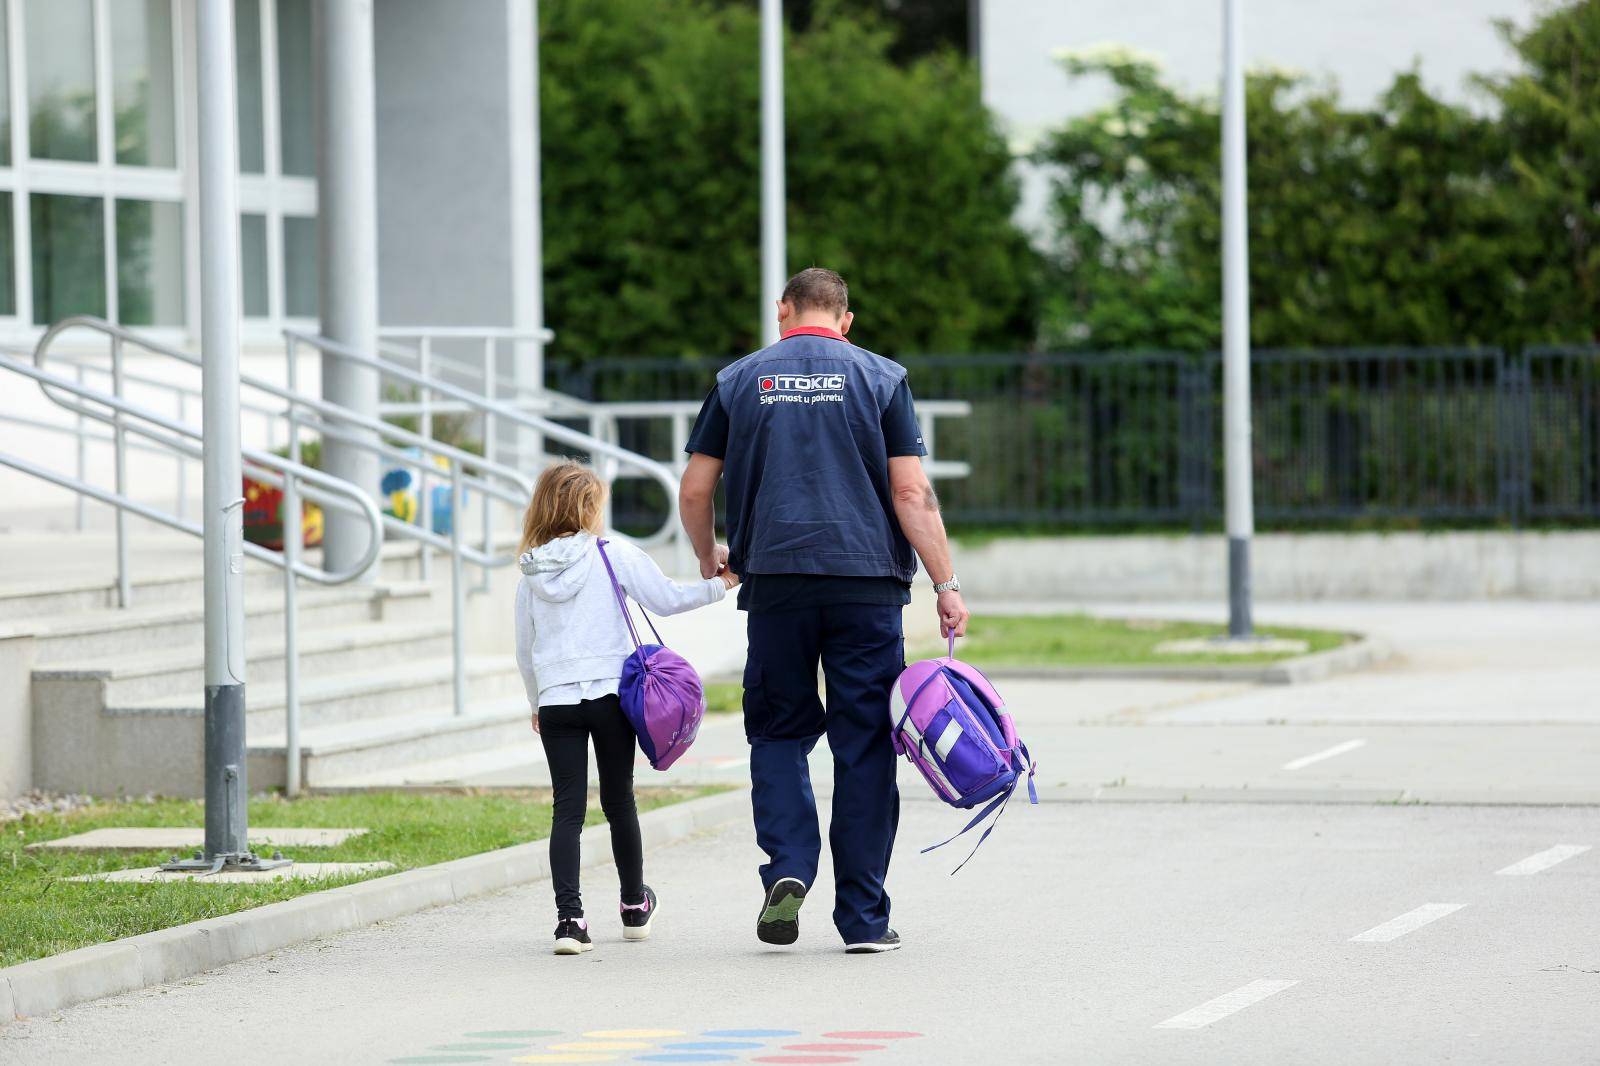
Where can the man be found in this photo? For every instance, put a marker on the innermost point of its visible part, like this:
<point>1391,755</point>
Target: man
<point>818,448</point>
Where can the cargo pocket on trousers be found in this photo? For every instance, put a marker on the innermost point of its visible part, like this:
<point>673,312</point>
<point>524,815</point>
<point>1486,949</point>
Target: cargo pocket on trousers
<point>757,714</point>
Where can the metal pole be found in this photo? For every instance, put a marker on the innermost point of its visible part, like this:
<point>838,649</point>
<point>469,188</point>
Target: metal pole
<point>1236,326</point>
<point>83,458</point>
<point>347,230</point>
<point>183,462</point>
<point>424,490</point>
<point>773,254</point>
<point>458,594</point>
<point>292,543</point>
<point>490,393</point>
<point>120,466</point>
<point>227,790</point>
<point>527,249</point>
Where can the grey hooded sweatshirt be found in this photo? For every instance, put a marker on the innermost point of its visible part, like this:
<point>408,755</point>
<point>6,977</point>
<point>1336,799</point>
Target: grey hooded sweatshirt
<point>571,639</point>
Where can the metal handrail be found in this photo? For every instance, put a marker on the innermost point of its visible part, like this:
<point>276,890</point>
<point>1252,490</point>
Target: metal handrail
<point>289,474</point>
<point>341,423</point>
<point>616,457</point>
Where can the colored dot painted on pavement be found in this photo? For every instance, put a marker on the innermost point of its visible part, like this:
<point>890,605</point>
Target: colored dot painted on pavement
<point>715,1045</point>
<point>870,1034</point>
<point>739,1033</point>
<point>687,1056</point>
<point>566,1057</point>
<point>601,1045</point>
<point>804,1060</point>
<point>833,1047</point>
<point>512,1034</point>
<point>632,1034</point>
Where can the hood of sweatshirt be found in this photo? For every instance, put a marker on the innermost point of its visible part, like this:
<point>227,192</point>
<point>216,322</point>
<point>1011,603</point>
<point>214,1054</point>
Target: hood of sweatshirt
<point>559,568</point>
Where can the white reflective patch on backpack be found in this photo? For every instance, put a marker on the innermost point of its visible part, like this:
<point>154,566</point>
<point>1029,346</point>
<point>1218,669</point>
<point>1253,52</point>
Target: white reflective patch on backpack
<point>947,739</point>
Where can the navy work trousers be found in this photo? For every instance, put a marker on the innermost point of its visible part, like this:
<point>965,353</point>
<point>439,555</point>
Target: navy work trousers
<point>861,652</point>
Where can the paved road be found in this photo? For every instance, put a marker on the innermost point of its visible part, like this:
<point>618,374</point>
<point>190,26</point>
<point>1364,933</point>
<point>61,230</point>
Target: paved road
<point>1076,935</point>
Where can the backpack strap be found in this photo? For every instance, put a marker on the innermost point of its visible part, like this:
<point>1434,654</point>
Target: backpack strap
<point>622,599</point>
<point>994,805</point>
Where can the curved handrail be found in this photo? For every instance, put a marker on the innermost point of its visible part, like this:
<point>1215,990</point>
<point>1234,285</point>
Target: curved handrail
<point>593,445</point>
<point>324,489</point>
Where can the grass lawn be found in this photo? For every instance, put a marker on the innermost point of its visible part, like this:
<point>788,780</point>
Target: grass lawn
<point>724,697</point>
<point>1082,640</point>
<point>42,914</point>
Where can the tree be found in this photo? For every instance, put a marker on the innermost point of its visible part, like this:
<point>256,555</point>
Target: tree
<point>897,177</point>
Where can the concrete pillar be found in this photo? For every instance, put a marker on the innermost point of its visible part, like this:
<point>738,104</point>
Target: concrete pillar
<point>347,243</point>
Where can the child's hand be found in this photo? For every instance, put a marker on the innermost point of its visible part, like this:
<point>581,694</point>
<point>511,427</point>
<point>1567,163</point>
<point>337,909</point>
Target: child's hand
<point>536,719</point>
<point>729,578</point>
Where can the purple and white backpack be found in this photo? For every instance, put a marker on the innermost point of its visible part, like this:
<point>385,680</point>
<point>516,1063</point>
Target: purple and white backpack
<point>661,693</point>
<point>954,727</point>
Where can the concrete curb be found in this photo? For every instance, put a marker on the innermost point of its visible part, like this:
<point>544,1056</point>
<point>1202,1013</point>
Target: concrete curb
<point>1359,655</point>
<point>31,989</point>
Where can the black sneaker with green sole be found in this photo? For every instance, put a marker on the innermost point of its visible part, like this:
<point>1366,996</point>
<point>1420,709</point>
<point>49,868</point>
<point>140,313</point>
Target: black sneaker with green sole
<point>780,914</point>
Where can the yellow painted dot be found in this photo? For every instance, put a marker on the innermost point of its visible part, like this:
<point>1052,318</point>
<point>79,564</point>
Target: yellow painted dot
<point>633,1034</point>
<point>601,1045</point>
<point>558,1057</point>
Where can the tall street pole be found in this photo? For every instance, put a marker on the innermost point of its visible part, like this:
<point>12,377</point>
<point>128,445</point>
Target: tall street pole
<point>773,254</point>
<point>226,789</point>
<point>1236,327</point>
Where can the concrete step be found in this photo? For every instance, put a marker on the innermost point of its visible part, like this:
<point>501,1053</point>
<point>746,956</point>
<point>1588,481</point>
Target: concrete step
<point>181,673</point>
<point>33,597</point>
<point>334,752</point>
<point>354,696</point>
<point>522,762</point>
<point>112,633</point>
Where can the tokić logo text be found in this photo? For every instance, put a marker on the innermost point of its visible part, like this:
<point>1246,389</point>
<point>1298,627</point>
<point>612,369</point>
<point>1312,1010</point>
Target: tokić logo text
<point>801,388</point>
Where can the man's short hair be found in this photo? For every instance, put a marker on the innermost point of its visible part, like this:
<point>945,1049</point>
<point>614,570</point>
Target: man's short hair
<point>817,289</point>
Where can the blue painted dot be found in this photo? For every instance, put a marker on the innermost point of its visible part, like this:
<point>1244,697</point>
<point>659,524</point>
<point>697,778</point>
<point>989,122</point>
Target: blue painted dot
<point>691,1056</point>
<point>736,1033</point>
<point>715,1045</point>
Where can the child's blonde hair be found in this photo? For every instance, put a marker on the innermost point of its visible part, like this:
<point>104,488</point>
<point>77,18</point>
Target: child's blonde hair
<point>567,498</point>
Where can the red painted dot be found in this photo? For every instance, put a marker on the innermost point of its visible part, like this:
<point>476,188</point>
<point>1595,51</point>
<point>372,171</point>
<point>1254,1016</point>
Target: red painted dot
<point>869,1034</point>
<point>833,1047</point>
<point>804,1060</point>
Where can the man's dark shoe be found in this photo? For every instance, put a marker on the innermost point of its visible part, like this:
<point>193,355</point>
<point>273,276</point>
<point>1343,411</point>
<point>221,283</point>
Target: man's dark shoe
<point>889,941</point>
<point>636,917</point>
<point>572,937</point>
<point>780,914</point>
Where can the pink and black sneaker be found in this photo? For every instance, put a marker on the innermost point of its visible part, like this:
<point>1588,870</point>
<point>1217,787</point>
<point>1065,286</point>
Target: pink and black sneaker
<point>636,917</point>
<point>572,937</point>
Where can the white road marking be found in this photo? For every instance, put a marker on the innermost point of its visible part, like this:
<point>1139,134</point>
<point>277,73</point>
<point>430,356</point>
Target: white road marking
<point>1395,928</point>
<point>1544,859</point>
<point>1224,1005</point>
<point>1337,749</point>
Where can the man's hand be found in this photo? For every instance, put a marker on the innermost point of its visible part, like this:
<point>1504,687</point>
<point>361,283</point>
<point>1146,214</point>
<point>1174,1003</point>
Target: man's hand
<point>729,578</point>
<point>715,563</point>
<point>953,614</point>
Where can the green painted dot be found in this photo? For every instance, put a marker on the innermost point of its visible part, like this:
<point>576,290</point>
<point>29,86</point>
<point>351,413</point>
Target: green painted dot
<point>430,1060</point>
<point>479,1047</point>
<point>512,1034</point>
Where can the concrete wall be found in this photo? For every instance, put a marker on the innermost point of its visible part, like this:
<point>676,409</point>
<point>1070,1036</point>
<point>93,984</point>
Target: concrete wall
<point>16,716</point>
<point>1288,566</point>
<point>444,163</point>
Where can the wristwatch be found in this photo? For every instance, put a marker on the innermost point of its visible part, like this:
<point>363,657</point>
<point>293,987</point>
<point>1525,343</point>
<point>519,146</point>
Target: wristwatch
<point>953,585</point>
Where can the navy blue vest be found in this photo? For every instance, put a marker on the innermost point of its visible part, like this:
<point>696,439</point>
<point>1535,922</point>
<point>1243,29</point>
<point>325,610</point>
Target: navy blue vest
<point>807,469</point>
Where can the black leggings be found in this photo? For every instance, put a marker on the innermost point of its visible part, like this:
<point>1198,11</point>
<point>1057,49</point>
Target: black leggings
<point>565,730</point>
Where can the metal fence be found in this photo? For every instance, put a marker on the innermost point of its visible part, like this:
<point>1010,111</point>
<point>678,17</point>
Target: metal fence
<point>1340,436</point>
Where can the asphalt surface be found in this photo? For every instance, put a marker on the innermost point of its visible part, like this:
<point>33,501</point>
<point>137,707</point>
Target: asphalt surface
<point>1074,935</point>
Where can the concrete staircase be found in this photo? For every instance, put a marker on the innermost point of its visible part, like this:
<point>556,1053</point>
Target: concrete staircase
<point>117,696</point>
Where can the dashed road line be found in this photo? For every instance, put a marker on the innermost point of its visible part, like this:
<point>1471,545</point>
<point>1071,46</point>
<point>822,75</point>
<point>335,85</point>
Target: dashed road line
<point>1337,749</point>
<point>1395,928</point>
<point>1226,1004</point>
<point>1543,860</point>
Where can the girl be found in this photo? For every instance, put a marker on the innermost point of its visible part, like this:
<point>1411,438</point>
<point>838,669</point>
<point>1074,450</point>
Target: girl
<point>571,643</point>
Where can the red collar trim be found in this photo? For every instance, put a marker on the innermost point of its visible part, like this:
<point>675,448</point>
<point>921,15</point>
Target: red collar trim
<point>812,331</point>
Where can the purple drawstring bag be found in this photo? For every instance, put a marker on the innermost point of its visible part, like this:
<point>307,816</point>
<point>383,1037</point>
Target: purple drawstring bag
<point>661,693</point>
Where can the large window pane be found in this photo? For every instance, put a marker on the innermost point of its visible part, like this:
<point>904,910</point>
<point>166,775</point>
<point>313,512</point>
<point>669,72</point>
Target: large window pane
<point>141,78</point>
<point>5,98</point>
<point>8,287</point>
<point>149,263</point>
<point>299,267</point>
<point>60,43</point>
<point>69,256</point>
<point>253,261</point>
<point>247,60</point>
<point>294,88</point>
